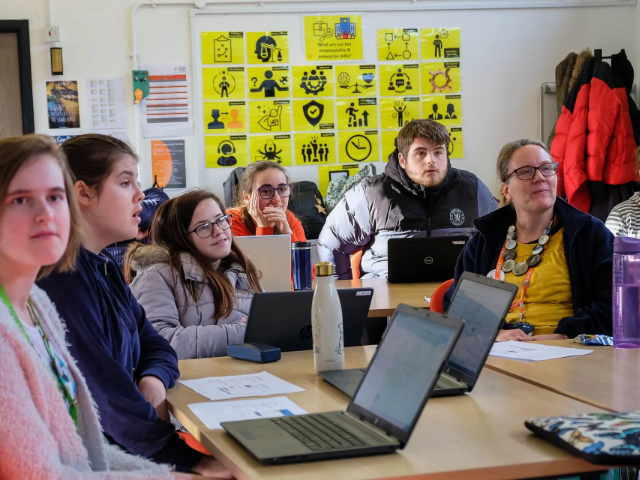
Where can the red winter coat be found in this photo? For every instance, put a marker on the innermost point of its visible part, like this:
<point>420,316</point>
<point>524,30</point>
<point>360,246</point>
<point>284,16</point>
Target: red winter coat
<point>594,135</point>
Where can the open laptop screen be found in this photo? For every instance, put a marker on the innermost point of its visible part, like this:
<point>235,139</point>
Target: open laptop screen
<point>404,368</point>
<point>482,308</point>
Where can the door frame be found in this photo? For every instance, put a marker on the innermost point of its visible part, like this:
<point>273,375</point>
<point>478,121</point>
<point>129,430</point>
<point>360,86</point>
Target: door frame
<point>21,28</point>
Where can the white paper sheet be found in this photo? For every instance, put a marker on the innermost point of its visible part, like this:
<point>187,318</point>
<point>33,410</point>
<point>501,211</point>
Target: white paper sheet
<point>533,352</point>
<point>212,414</point>
<point>239,386</point>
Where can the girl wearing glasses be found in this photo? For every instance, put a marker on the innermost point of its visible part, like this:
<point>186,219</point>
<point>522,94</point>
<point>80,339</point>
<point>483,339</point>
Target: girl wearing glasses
<point>265,188</point>
<point>560,257</point>
<point>128,366</point>
<point>194,283</point>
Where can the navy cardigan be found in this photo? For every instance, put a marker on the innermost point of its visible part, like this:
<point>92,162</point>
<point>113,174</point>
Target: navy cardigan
<point>115,345</point>
<point>588,247</point>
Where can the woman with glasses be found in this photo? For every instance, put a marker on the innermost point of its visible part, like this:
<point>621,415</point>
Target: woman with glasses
<point>264,191</point>
<point>560,257</point>
<point>194,283</point>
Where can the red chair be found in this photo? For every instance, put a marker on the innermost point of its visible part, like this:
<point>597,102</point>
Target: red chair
<point>355,264</point>
<point>437,295</point>
<point>193,443</point>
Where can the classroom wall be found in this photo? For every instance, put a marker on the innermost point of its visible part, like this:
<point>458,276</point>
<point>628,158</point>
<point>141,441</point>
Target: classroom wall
<point>507,54</point>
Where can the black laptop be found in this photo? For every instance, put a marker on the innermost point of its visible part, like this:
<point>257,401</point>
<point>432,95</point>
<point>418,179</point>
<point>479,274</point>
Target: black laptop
<point>482,303</point>
<point>283,319</point>
<point>384,409</point>
<point>425,259</point>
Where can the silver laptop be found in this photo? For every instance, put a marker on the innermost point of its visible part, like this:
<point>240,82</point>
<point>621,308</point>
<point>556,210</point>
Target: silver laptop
<point>385,408</point>
<point>482,303</point>
<point>272,256</point>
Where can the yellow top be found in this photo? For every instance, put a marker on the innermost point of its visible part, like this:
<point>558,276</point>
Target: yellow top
<point>548,297</point>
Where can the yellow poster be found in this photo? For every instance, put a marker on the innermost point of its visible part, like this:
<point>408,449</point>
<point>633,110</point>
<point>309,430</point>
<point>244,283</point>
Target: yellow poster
<point>396,112</point>
<point>357,113</point>
<point>267,47</point>
<point>225,117</point>
<point>456,147</point>
<point>270,116</point>
<point>356,80</point>
<point>222,47</point>
<point>388,144</point>
<point>313,114</point>
<point>220,83</point>
<point>312,82</point>
<point>359,146</point>
<point>315,148</point>
<point>399,44</point>
<point>441,77</point>
<point>440,43</point>
<point>268,82</point>
<point>274,148</point>
<point>333,37</point>
<point>446,109</point>
<point>225,151</point>
<point>333,172</point>
<point>399,80</point>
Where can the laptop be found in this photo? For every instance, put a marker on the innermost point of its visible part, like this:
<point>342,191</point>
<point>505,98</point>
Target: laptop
<point>385,408</point>
<point>272,255</point>
<point>482,303</point>
<point>290,328</point>
<point>425,259</point>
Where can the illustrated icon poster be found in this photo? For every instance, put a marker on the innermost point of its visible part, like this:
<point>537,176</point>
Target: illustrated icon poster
<point>62,104</point>
<point>441,77</point>
<point>222,47</point>
<point>168,166</point>
<point>313,115</point>
<point>440,43</point>
<point>456,147</point>
<point>226,151</point>
<point>225,117</point>
<point>315,148</point>
<point>355,80</point>
<point>396,112</point>
<point>398,44</point>
<point>446,109</point>
<point>267,47</point>
<point>221,83</point>
<point>333,37</point>
<point>357,113</point>
<point>269,116</point>
<point>334,172</point>
<point>358,146</point>
<point>273,148</point>
<point>399,79</point>
<point>313,81</point>
<point>269,82</point>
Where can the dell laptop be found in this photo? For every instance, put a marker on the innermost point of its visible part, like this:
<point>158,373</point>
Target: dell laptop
<point>482,303</point>
<point>430,259</point>
<point>289,328</point>
<point>385,408</point>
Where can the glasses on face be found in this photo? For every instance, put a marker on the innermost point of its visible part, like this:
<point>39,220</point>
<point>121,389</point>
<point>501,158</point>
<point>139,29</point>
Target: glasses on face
<point>206,229</point>
<point>527,173</point>
<point>266,192</point>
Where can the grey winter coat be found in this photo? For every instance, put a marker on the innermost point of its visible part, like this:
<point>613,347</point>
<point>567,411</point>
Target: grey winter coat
<point>192,332</point>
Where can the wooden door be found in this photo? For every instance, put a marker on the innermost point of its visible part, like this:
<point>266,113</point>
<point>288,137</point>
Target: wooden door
<point>10,95</point>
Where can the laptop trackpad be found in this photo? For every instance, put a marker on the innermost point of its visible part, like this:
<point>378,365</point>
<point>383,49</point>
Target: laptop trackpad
<point>261,432</point>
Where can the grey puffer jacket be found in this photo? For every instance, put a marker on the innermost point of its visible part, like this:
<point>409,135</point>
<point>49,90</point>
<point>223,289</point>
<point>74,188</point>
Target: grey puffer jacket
<point>191,331</point>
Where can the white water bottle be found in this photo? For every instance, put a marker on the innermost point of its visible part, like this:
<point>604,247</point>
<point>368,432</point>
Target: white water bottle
<point>326,321</point>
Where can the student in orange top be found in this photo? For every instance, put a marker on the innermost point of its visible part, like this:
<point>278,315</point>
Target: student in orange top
<point>264,189</point>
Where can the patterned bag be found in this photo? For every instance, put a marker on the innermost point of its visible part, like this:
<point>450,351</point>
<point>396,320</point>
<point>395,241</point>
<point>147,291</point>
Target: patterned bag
<point>338,187</point>
<point>599,438</point>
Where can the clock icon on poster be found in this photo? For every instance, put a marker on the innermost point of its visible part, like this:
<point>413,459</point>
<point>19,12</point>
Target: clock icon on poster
<point>358,148</point>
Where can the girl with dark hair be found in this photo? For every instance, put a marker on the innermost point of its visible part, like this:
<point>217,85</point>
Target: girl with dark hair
<point>194,283</point>
<point>127,365</point>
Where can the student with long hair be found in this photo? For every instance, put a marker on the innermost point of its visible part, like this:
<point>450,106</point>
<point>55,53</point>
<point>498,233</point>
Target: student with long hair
<point>194,283</point>
<point>128,366</point>
<point>49,427</point>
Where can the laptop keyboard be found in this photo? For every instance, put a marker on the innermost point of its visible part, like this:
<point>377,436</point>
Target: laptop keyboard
<point>317,432</point>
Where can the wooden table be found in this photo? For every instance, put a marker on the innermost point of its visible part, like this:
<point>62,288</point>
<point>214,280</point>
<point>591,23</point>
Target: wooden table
<point>387,296</point>
<point>479,436</point>
<point>608,378</point>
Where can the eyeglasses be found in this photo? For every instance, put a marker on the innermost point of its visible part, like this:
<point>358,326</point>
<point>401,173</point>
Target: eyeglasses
<point>527,173</point>
<point>206,229</point>
<point>266,192</point>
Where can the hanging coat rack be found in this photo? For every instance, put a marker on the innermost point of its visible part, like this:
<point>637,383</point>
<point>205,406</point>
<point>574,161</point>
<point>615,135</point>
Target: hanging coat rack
<point>597,53</point>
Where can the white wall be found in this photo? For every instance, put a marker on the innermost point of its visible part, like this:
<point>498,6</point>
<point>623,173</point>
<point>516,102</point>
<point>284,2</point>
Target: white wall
<point>507,55</point>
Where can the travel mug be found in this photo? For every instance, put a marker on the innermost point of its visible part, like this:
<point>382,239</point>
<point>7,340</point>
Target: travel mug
<point>301,265</point>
